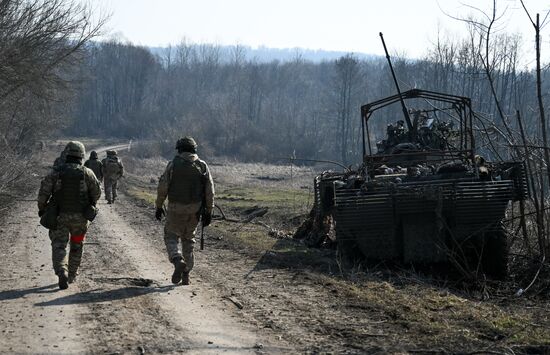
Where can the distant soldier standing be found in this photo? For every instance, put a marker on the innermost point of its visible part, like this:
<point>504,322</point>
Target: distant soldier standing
<point>94,165</point>
<point>112,170</point>
<point>60,160</point>
<point>74,190</point>
<point>190,190</point>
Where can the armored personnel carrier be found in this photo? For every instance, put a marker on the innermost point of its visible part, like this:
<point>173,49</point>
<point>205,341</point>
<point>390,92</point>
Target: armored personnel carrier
<point>424,195</point>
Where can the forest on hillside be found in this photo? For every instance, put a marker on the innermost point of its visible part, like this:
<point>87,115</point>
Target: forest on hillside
<point>56,79</point>
<point>257,111</point>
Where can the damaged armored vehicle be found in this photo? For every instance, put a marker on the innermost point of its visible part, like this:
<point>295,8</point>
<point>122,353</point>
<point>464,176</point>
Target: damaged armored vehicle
<point>423,194</point>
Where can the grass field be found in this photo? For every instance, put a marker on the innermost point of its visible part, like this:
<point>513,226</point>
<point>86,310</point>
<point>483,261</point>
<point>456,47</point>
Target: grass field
<point>407,307</point>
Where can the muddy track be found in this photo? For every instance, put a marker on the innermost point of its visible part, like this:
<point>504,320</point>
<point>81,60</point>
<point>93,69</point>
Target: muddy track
<point>122,302</point>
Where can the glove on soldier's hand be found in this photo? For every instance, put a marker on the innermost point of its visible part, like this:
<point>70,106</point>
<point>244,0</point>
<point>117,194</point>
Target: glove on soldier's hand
<point>159,213</point>
<point>206,219</point>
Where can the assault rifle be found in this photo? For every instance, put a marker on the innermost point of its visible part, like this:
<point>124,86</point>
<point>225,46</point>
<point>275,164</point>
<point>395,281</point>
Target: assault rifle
<point>203,207</point>
<point>202,229</point>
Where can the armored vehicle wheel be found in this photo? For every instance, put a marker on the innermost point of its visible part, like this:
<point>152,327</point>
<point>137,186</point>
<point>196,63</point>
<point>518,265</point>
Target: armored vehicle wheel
<point>495,255</point>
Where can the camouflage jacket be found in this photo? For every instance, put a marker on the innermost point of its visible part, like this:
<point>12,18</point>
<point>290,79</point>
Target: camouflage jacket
<point>51,183</point>
<point>106,168</point>
<point>96,166</point>
<point>164,185</point>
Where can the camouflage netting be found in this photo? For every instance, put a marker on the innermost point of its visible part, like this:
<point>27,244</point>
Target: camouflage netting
<point>317,231</point>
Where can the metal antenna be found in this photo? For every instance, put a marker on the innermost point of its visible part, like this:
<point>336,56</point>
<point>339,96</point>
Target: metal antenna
<point>405,111</point>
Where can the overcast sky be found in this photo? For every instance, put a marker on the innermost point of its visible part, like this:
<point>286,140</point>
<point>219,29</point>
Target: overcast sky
<point>344,25</point>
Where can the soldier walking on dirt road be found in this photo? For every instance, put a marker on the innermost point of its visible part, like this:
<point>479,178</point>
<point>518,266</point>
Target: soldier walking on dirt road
<point>112,171</point>
<point>67,199</point>
<point>190,190</point>
<point>95,165</point>
<point>60,160</point>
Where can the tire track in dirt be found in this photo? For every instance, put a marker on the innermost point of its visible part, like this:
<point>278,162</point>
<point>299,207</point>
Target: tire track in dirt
<point>169,317</point>
<point>108,309</point>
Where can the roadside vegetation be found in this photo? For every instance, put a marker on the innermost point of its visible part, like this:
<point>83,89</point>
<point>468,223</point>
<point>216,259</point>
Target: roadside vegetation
<point>41,45</point>
<point>393,307</point>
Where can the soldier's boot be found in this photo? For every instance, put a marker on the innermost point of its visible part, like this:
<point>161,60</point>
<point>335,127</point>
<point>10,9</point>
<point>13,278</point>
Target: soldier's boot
<point>72,277</point>
<point>63,279</point>
<point>185,278</point>
<point>179,266</point>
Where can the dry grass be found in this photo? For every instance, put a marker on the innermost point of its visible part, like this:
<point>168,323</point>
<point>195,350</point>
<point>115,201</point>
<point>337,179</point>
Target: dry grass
<point>287,176</point>
<point>294,201</point>
<point>440,318</point>
<point>409,308</point>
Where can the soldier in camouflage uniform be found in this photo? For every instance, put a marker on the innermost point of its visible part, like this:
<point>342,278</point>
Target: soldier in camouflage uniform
<point>60,160</point>
<point>112,170</point>
<point>190,190</point>
<point>74,188</point>
<point>95,165</point>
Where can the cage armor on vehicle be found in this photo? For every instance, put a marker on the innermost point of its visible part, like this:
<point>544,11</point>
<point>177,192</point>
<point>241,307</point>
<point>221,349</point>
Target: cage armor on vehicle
<point>424,196</point>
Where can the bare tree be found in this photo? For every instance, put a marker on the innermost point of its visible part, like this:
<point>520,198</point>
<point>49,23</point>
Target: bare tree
<point>40,43</point>
<point>347,68</point>
<point>544,243</point>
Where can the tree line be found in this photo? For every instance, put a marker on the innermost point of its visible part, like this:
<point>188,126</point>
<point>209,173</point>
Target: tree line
<point>52,72</point>
<point>41,44</point>
<point>263,110</point>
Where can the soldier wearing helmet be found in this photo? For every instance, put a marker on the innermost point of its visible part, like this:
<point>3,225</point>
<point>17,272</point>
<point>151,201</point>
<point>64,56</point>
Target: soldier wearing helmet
<point>60,160</point>
<point>74,190</point>
<point>112,170</point>
<point>188,185</point>
<point>95,165</point>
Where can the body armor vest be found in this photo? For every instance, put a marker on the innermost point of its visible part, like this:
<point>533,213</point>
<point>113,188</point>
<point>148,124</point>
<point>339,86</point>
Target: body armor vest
<point>111,167</point>
<point>72,197</point>
<point>187,183</point>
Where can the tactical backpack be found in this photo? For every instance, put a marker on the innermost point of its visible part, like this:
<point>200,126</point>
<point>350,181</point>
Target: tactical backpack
<point>111,167</point>
<point>73,195</point>
<point>187,182</point>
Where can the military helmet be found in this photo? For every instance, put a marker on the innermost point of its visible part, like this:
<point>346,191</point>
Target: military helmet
<point>93,154</point>
<point>111,153</point>
<point>75,149</point>
<point>186,142</point>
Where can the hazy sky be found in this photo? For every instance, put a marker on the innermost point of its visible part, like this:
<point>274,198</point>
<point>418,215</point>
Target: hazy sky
<point>343,25</point>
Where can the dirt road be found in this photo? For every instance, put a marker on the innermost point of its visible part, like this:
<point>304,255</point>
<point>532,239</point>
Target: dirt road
<point>124,146</point>
<point>122,302</point>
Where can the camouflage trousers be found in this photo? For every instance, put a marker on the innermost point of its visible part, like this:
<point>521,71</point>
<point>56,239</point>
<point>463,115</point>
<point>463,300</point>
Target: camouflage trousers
<point>181,227</point>
<point>110,188</point>
<point>71,228</point>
